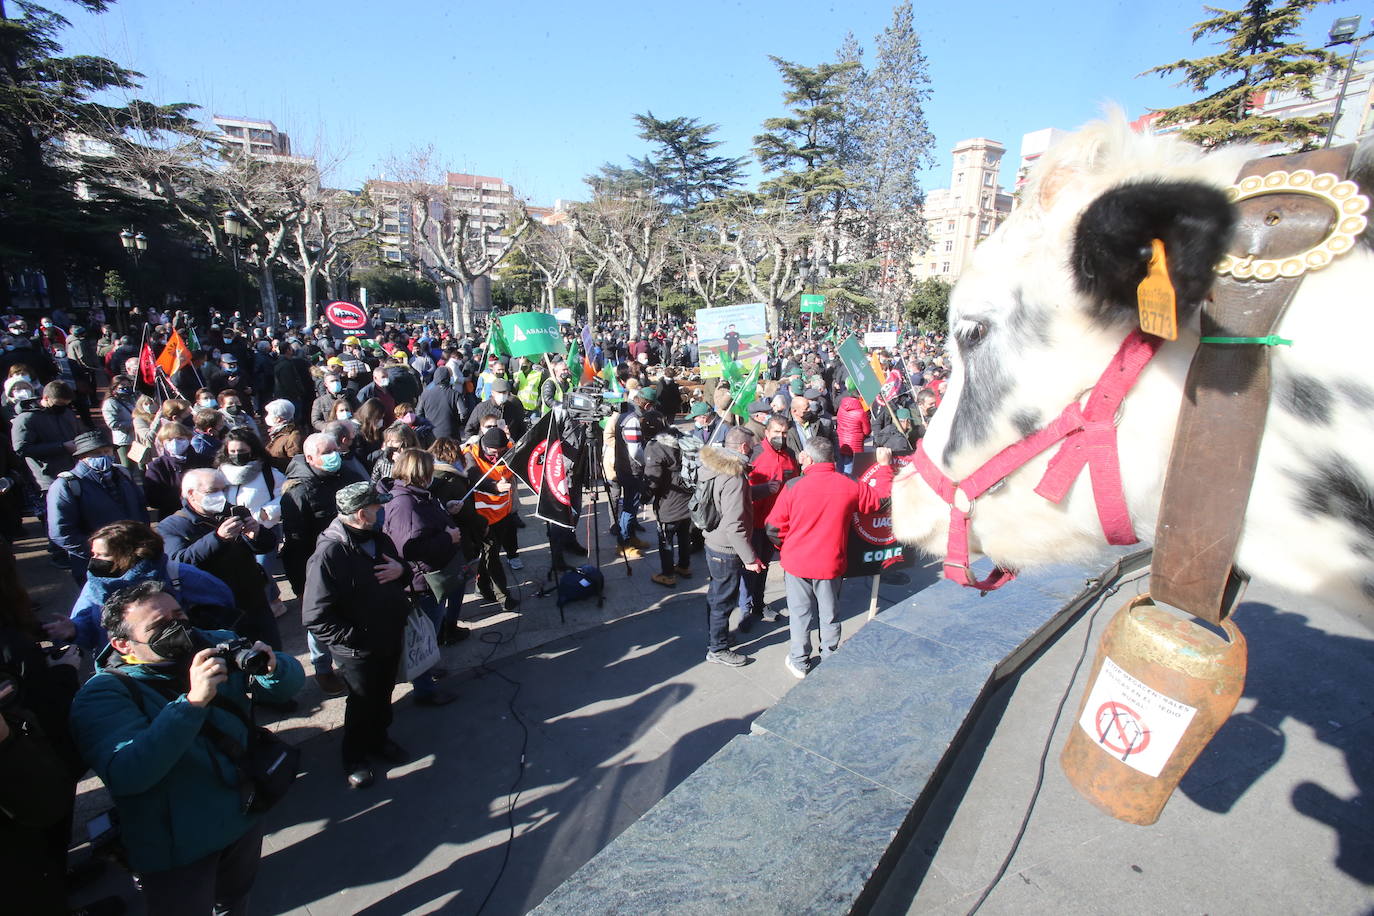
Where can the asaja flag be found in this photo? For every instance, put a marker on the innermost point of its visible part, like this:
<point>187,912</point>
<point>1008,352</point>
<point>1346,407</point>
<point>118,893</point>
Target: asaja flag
<point>175,355</point>
<point>729,369</point>
<point>496,340</point>
<point>531,334</point>
<point>856,364</point>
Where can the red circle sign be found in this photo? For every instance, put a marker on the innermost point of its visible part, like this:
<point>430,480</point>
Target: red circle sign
<point>875,529</point>
<point>346,315</point>
<point>1121,730</point>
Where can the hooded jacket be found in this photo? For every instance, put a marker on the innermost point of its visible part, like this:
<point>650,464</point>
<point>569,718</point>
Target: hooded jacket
<point>663,474</point>
<point>82,501</point>
<point>177,794</point>
<point>725,472</point>
<point>343,603</point>
<point>197,587</point>
<point>442,405</point>
<point>38,436</point>
<point>852,425</point>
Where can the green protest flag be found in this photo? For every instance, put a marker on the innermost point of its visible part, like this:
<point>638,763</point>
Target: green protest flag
<point>813,303</point>
<point>574,360</point>
<point>729,369</point>
<point>192,340</point>
<point>496,340</point>
<point>370,343</point>
<point>747,393</point>
<point>530,334</point>
<point>857,365</point>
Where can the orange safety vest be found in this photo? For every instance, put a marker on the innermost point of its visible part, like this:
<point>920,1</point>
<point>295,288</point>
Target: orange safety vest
<point>491,506</point>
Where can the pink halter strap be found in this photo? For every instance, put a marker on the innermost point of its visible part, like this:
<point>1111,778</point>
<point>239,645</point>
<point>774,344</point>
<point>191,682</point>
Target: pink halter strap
<point>1089,436</point>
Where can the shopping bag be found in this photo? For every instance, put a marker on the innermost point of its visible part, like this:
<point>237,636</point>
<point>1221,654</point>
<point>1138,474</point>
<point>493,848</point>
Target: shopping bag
<point>420,649</point>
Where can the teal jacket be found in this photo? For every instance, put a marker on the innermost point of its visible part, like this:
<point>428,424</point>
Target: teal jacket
<point>177,795</point>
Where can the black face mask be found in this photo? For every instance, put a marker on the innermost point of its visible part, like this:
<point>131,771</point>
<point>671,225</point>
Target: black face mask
<point>101,568</point>
<point>808,417</point>
<point>777,442</point>
<point>240,459</point>
<point>177,642</point>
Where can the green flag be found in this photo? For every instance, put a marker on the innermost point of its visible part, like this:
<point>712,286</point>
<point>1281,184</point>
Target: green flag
<point>574,361</point>
<point>530,334</point>
<point>192,340</point>
<point>857,364</point>
<point>746,393</point>
<point>496,340</point>
<point>729,369</point>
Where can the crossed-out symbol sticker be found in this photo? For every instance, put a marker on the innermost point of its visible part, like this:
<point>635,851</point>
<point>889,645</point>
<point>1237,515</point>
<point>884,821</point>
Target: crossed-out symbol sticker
<point>1120,730</point>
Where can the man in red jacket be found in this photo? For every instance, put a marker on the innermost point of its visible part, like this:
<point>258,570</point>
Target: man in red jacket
<point>771,466</point>
<point>811,522</point>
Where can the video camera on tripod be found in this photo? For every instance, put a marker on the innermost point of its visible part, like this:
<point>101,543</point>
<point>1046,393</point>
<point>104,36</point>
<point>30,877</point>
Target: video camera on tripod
<point>587,403</point>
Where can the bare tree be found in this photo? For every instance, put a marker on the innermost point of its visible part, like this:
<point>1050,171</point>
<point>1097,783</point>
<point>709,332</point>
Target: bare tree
<point>550,249</point>
<point>627,228</point>
<point>329,222</point>
<point>452,248</point>
<point>770,240</point>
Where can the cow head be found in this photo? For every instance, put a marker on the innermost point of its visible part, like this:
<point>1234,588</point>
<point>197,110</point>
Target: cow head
<point>1037,317</point>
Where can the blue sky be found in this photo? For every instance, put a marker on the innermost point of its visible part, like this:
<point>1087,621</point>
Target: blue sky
<point>541,93</point>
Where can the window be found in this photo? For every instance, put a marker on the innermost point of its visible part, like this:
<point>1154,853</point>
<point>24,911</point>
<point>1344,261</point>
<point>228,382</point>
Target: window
<point>949,246</point>
<point>987,179</point>
<point>949,225</point>
<point>985,226</point>
<point>944,268</point>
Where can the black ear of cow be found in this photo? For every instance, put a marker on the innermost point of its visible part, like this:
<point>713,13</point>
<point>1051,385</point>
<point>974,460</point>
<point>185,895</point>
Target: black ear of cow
<point>1111,247</point>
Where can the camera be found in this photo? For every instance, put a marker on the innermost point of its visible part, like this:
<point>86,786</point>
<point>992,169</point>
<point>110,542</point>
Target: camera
<point>587,403</point>
<point>240,653</point>
<point>239,512</point>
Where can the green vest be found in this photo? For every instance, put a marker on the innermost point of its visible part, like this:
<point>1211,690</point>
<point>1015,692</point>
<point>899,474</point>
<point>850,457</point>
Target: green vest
<point>528,385</point>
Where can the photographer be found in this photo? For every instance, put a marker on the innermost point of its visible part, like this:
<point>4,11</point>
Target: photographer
<point>224,541</point>
<point>39,766</point>
<point>154,723</point>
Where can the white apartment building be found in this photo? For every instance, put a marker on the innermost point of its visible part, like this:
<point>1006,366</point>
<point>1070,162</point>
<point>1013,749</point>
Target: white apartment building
<point>255,136</point>
<point>960,216</point>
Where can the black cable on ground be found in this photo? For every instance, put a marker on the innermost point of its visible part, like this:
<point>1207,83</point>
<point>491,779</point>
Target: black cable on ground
<point>496,640</point>
<point>1045,752</point>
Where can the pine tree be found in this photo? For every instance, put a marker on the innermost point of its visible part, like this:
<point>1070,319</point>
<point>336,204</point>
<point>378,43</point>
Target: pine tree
<point>45,98</point>
<point>1258,59</point>
<point>682,168</point>
<point>801,149</point>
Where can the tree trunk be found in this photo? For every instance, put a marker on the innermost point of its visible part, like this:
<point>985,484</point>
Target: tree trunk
<point>632,311</point>
<point>466,295</point>
<point>591,302</point>
<point>448,303</point>
<point>310,299</point>
<point>773,313</point>
<point>267,291</point>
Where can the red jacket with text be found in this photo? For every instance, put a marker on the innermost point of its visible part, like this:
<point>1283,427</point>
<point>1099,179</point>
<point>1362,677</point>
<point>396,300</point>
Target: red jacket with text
<point>769,464</point>
<point>814,513</point>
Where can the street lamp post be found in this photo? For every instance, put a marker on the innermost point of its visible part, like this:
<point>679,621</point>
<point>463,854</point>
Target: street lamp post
<point>135,243</point>
<point>1342,33</point>
<point>235,232</point>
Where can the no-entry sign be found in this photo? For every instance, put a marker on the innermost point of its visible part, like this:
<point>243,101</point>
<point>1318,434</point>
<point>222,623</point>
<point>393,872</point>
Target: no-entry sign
<point>1132,721</point>
<point>347,319</point>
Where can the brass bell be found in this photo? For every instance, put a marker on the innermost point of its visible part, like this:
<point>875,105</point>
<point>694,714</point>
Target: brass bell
<point>1161,687</point>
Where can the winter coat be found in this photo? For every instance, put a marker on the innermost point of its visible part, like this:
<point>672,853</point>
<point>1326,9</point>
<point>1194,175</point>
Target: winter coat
<point>189,537</point>
<point>320,410</point>
<point>663,474</point>
<point>442,405</point>
<point>852,425</point>
<point>39,436</point>
<point>307,508</point>
<point>418,524</point>
<point>822,427</point>
<point>291,381</point>
<point>452,484</point>
<point>814,513</point>
<point>260,490</point>
<point>177,794</point>
<point>162,483</point>
<point>343,604</point>
<point>197,587</point>
<point>726,472</point>
<point>119,417</point>
<point>892,437</point>
<point>284,443</point>
<point>80,502</point>
<point>765,465</point>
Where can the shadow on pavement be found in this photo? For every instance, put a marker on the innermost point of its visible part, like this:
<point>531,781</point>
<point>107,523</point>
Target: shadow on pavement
<point>1307,674</point>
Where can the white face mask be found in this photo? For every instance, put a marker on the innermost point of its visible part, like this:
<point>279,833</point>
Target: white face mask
<point>499,397</point>
<point>214,503</point>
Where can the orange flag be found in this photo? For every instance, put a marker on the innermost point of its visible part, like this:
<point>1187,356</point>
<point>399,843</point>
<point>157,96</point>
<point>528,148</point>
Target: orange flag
<point>175,355</point>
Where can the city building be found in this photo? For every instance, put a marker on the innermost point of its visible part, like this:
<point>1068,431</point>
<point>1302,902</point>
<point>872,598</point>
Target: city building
<point>256,137</point>
<point>960,216</point>
<point>1033,146</point>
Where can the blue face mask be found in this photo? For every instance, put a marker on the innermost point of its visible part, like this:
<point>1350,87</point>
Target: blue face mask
<point>381,517</point>
<point>101,464</point>
<point>331,462</point>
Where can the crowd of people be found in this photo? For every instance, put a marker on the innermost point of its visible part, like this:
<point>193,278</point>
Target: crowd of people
<point>371,475</point>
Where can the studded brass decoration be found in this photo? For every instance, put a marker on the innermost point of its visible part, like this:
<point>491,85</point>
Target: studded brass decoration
<point>1342,196</point>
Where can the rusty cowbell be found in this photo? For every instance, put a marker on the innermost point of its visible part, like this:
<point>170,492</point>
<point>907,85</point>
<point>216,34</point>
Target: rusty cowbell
<point>1160,688</point>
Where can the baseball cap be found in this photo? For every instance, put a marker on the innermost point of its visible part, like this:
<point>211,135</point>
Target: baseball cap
<point>500,384</point>
<point>700,409</point>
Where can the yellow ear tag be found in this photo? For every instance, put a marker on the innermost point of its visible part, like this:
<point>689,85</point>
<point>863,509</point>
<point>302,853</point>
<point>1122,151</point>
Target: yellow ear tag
<point>1155,297</point>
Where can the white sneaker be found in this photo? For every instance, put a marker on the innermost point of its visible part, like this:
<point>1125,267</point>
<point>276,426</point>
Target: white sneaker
<point>798,672</point>
<point>516,563</point>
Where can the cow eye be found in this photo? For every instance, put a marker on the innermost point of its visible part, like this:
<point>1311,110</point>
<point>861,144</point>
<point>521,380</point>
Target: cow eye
<point>972,333</point>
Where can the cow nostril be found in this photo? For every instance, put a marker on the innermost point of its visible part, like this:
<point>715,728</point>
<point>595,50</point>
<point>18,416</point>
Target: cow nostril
<point>1273,218</point>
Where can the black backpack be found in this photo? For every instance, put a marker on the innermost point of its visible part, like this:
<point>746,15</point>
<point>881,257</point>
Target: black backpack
<point>702,505</point>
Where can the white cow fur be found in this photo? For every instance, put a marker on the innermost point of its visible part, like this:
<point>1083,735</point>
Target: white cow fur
<point>1331,322</point>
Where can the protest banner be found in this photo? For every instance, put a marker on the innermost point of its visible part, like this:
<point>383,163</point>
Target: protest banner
<point>347,320</point>
<point>737,333</point>
<point>872,546</point>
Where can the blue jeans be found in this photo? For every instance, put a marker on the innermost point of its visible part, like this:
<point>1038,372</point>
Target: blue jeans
<point>806,597</point>
<point>630,497</point>
<point>751,597</point>
<point>722,594</point>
